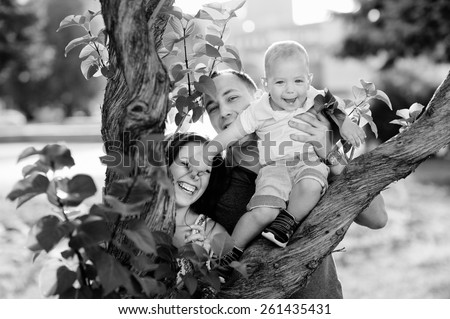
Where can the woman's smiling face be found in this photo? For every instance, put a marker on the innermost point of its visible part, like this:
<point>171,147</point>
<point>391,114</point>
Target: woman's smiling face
<point>189,183</point>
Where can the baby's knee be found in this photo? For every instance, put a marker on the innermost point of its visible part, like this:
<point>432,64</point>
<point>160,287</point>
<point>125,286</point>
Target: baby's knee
<point>309,185</point>
<point>265,215</point>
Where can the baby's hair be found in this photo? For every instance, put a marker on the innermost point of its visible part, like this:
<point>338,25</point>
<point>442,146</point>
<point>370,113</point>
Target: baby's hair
<point>284,49</point>
<point>249,83</point>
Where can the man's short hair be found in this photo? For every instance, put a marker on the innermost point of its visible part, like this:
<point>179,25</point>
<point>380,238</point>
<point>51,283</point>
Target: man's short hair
<point>247,80</point>
<point>284,49</point>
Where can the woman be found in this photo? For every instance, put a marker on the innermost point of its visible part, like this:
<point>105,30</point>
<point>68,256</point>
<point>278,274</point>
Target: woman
<point>196,193</point>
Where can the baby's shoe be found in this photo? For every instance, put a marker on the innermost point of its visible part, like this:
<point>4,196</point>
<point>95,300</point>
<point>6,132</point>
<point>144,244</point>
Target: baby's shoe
<point>224,269</point>
<point>281,229</point>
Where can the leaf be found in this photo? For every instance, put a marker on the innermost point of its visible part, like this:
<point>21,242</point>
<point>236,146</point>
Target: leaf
<point>28,152</point>
<point>142,237</point>
<point>89,67</point>
<point>174,11</point>
<point>233,5</point>
<point>233,50</point>
<point>38,166</point>
<point>176,25</point>
<point>170,39</point>
<point>151,286</point>
<point>102,36</point>
<point>403,113</point>
<point>143,263</point>
<point>36,183</point>
<point>191,283</point>
<point>206,85</point>
<point>214,29</point>
<point>125,210</point>
<point>214,40</point>
<point>233,63</point>
<point>49,230</point>
<point>197,113</point>
<point>89,14</point>
<point>165,271</point>
<point>221,243</point>
<point>140,191</point>
<point>55,278</point>
<point>71,192</point>
<point>107,72</point>
<point>183,102</point>
<point>87,51</point>
<point>92,230</point>
<point>117,161</point>
<point>76,42</point>
<point>415,110</point>
<point>178,119</point>
<point>202,49</point>
<point>178,72</point>
<point>398,122</point>
<point>162,238</point>
<point>369,87</point>
<point>71,20</point>
<point>240,267</point>
<point>104,212</point>
<point>111,273</point>
<point>57,156</point>
<point>213,279</point>
<point>372,124</point>
<point>190,27</point>
<point>359,94</point>
<point>380,95</point>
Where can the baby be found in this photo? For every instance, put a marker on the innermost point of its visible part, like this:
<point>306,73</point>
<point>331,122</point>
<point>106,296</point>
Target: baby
<point>291,171</point>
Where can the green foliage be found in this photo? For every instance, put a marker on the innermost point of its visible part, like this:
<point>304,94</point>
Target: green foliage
<point>408,116</point>
<point>78,263</point>
<point>194,46</point>
<point>404,28</point>
<point>94,54</point>
<point>357,108</point>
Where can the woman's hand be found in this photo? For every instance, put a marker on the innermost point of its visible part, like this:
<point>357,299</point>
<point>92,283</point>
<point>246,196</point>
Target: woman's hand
<point>317,131</point>
<point>197,236</point>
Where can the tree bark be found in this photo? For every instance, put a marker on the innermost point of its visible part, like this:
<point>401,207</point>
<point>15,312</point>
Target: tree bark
<point>278,273</point>
<point>136,102</point>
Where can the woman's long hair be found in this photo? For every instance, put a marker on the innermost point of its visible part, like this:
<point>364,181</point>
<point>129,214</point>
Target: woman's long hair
<point>206,204</point>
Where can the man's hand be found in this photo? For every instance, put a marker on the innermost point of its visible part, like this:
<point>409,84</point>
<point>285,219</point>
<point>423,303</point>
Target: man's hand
<point>317,129</point>
<point>352,133</point>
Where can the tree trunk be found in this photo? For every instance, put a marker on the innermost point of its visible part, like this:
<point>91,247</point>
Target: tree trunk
<point>136,102</point>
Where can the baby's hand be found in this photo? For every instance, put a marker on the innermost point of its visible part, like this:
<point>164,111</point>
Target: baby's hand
<point>352,133</point>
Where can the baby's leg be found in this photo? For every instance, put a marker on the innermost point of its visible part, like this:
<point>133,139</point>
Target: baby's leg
<point>251,224</point>
<point>303,198</point>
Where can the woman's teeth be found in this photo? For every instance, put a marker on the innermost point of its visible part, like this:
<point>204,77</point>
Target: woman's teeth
<point>187,187</point>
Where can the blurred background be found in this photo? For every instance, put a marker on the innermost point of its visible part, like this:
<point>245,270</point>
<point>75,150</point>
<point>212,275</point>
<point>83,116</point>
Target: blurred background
<point>402,46</point>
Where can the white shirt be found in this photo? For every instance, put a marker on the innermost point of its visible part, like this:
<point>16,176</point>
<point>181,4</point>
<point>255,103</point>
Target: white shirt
<point>273,131</point>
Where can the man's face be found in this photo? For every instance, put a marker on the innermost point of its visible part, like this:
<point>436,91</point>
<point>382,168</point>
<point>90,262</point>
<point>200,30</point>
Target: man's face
<point>231,99</point>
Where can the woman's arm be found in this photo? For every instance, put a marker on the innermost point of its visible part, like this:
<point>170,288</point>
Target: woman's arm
<point>318,134</point>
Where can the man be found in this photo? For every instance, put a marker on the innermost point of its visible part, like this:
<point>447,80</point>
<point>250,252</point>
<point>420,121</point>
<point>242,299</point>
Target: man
<point>234,92</point>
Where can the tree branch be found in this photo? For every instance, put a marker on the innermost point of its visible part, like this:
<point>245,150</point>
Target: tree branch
<point>278,273</point>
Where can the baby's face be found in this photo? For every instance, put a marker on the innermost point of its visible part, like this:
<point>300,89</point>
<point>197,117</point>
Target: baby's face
<point>288,81</point>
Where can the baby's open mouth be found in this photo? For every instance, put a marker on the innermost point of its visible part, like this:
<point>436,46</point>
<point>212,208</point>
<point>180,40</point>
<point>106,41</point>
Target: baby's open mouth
<point>290,101</point>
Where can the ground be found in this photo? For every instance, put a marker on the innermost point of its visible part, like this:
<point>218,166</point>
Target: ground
<point>409,258</point>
